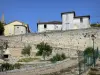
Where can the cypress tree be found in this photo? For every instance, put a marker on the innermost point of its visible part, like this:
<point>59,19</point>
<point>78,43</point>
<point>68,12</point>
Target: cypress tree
<point>1,29</point>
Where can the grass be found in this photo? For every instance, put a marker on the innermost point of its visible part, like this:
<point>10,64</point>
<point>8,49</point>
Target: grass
<point>27,59</point>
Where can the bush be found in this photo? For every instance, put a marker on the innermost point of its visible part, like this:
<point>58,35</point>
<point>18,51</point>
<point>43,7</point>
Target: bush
<point>95,25</point>
<point>63,56</point>
<point>27,59</point>
<point>26,50</point>
<point>44,50</point>
<point>58,57</point>
<point>88,51</point>
<point>7,66</point>
<point>17,65</point>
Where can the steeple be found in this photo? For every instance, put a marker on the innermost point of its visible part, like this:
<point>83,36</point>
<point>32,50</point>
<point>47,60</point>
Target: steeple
<point>2,18</point>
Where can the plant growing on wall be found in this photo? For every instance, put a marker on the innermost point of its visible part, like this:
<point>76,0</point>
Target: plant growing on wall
<point>1,29</point>
<point>44,49</point>
<point>26,50</point>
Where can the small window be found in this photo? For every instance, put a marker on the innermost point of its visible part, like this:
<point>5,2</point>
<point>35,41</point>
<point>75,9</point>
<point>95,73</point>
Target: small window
<point>17,27</point>
<point>81,19</point>
<point>56,26</point>
<point>45,26</point>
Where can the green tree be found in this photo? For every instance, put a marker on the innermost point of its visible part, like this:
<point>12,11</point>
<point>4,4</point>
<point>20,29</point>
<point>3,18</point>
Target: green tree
<point>26,50</point>
<point>88,51</point>
<point>88,55</point>
<point>1,29</point>
<point>44,49</point>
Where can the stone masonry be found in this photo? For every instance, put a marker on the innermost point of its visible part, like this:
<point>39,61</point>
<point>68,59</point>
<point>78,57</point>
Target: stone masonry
<point>67,42</point>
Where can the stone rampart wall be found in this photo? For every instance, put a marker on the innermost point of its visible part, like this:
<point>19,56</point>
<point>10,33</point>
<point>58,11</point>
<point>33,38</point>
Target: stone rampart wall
<point>61,41</point>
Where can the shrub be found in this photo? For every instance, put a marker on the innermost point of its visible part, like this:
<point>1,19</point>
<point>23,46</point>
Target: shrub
<point>95,25</point>
<point>88,51</point>
<point>26,50</point>
<point>7,66</point>
<point>17,65</point>
<point>44,49</point>
<point>58,57</point>
<point>27,59</point>
<point>63,56</point>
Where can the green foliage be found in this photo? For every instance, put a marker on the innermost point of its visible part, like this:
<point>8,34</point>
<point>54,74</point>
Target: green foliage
<point>88,55</point>
<point>97,53</point>
<point>44,49</point>
<point>58,57</point>
<point>95,25</point>
<point>26,50</point>
<point>17,66</point>
<point>7,66</point>
<point>1,29</point>
<point>63,56</point>
<point>88,51</point>
<point>27,59</point>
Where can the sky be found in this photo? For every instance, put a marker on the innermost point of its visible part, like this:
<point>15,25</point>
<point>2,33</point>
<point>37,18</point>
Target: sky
<point>32,11</point>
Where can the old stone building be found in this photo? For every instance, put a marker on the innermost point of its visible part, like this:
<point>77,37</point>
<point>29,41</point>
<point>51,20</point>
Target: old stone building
<point>15,27</point>
<point>49,26</point>
<point>69,21</point>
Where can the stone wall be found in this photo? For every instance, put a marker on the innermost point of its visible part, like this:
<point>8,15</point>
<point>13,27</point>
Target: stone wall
<point>61,41</point>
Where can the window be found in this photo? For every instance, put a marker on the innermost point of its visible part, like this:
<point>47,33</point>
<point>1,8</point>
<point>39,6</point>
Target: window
<point>81,19</point>
<point>45,26</point>
<point>21,31</point>
<point>56,27</point>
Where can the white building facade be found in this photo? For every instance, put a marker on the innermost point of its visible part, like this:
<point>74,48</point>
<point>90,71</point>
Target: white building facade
<point>69,21</point>
<point>49,26</point>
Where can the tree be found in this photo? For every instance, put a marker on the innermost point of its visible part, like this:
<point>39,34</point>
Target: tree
<point>88,55</point>
<point>44,49</point>
<point>26,50</point>
<point>1,29</point>
<point>88,51</point>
